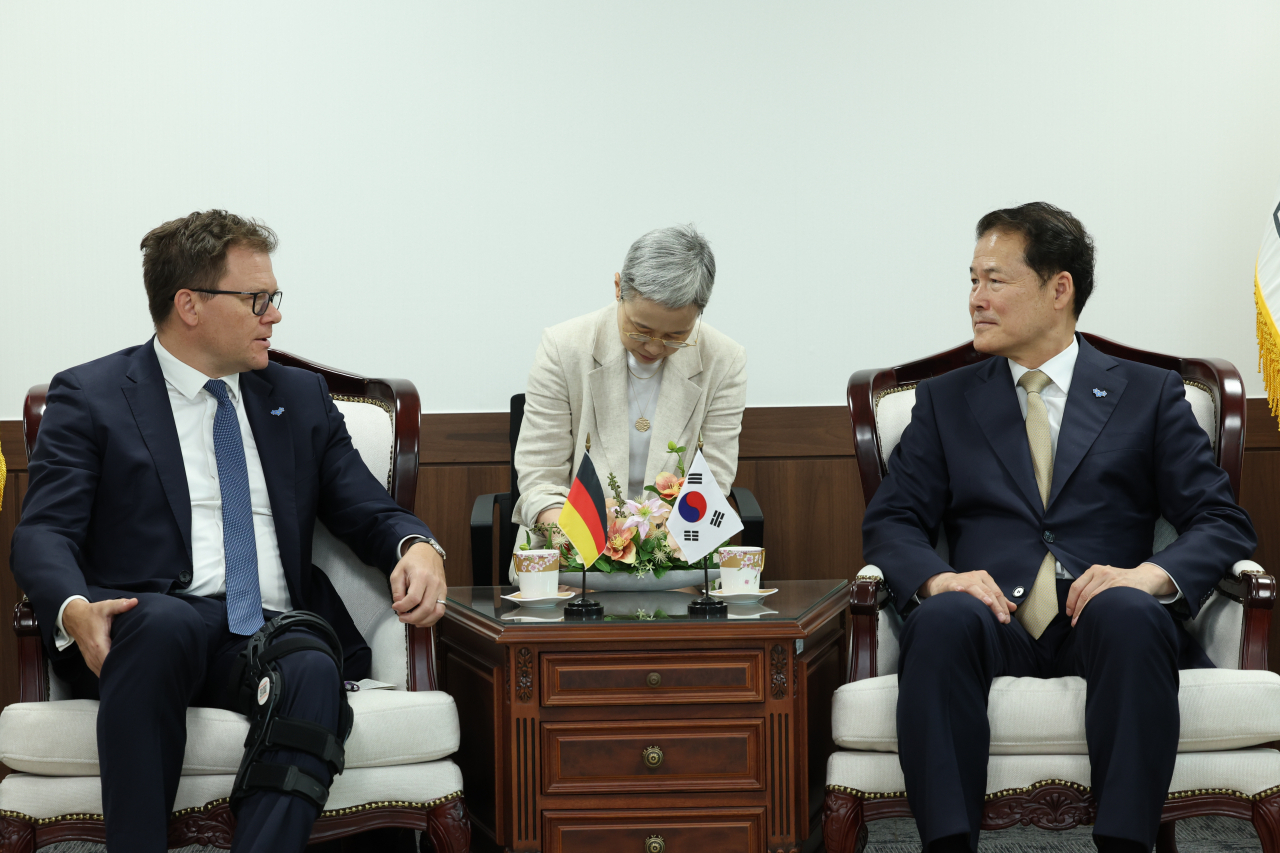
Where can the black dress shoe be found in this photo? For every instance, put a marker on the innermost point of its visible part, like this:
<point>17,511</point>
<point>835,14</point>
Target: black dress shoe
<point>950,844</point>
<point>1107,844</point>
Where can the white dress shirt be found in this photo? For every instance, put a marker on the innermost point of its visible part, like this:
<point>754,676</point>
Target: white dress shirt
<point>1060,369</point>
<point>644,384</point>
<point>193,411</point>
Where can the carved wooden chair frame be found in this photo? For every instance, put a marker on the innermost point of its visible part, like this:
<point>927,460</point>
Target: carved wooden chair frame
<point>1050,804</point>
<point>444,823</point>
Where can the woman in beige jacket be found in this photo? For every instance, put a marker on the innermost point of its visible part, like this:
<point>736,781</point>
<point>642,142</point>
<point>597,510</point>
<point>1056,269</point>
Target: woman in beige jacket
<point>635,375</point>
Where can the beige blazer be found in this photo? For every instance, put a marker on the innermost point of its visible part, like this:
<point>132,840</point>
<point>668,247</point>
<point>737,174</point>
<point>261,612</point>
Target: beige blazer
<point>578,385</point>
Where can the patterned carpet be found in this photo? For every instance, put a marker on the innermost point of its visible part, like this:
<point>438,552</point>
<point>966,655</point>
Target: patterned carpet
<point>1196,835</point>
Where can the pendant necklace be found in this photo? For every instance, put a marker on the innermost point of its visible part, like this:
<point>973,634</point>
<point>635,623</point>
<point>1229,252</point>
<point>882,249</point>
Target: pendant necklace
<point>642,423</point>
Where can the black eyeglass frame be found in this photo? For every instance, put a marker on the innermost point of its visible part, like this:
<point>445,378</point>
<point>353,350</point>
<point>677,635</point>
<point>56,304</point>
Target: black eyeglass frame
<point>271,298</point>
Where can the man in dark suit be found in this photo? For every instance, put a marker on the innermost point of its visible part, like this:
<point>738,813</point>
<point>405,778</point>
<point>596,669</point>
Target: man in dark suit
<point>174,490</point>
<point>1047,468</point>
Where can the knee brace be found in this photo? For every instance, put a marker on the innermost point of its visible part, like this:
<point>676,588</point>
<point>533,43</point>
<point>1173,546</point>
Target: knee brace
<point>257,687</point>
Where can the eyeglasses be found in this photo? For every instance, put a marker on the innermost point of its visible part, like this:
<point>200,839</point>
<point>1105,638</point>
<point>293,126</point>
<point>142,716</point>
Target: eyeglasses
<point>644,339</point>
<point>261,299</point>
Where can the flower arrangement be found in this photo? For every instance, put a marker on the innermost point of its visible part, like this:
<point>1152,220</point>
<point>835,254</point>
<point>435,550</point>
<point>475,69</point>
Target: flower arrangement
<point>637,541</point>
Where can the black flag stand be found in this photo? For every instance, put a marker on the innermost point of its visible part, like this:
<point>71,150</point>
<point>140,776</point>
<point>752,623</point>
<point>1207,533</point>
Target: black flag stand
<point>707,607</point>
<point>583,607</point>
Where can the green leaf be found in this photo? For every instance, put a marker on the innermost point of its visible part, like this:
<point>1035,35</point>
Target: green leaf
<point>661,569</point>
<point>652,489</point>
<point>679,449</point>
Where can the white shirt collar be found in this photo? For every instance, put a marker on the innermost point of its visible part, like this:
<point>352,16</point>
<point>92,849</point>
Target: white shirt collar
<point>185,379</point>
<point>638,369</point>
<point>1059,369</point>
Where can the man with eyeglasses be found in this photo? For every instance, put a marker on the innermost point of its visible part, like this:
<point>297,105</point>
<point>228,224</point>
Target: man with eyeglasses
<point>174,490</point>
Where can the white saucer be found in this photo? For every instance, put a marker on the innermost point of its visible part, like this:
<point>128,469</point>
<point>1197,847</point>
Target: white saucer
<point>741,597</point>
<point>549,601</point>
<point>751,611</point>
<point>548,615</point>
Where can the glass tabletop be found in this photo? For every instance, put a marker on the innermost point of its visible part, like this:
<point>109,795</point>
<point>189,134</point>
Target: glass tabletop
<point>791,601</point>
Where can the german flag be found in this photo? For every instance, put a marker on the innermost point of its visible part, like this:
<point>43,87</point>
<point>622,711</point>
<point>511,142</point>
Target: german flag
<point>583,516</point>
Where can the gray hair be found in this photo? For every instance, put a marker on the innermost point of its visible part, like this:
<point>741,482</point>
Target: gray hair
<point>672,266</point>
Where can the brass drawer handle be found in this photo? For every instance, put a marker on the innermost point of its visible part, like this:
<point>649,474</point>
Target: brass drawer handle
<point>654,679</point>
<point>654,844</point>
<point>652,756</point>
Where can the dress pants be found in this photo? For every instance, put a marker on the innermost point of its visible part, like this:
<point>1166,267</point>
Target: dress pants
<point>168,653</point>
<point>1126,646</point>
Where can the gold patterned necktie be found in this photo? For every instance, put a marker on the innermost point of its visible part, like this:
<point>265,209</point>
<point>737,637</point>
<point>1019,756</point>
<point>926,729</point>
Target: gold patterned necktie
<point>1038,609</point>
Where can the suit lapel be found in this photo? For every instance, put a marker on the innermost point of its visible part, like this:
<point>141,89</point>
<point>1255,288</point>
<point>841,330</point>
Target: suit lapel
<point>274,438</point>
<point>148,399</point>
<point>994,404</point>
<point>677,398</point>
<point>1086,413</point>
<point>608,385</point>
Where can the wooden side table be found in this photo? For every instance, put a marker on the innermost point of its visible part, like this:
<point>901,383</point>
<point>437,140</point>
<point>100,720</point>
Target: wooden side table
<point>647,732</point>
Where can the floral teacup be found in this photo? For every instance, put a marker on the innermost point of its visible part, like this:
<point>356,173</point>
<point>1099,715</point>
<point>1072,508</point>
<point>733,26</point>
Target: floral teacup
<point>740,568</point>
<point>537,572</point>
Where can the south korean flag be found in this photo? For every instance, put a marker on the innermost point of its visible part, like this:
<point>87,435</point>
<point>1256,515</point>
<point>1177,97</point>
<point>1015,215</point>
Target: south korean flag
<point>702,520</point>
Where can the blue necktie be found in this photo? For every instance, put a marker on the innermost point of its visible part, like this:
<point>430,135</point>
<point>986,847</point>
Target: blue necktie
<point>244,598</point>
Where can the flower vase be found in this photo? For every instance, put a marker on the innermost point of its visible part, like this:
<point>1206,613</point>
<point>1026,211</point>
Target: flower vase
<point>624,582</point>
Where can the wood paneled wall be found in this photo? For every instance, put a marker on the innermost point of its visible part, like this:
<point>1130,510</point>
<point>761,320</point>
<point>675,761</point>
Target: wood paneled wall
<point>799,462</point>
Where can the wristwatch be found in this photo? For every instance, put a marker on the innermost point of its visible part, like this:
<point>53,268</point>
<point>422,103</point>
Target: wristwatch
<point>430,541</point>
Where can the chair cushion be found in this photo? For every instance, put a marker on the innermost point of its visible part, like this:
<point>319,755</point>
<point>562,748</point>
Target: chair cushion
<point>391,727</point>
<point>366,593</point>
<point>371,425</point>
<point>1220,708</point>
<point>1245,771</point>
<point>50,796</point>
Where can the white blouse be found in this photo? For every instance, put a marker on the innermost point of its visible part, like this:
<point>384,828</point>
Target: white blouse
<point>644,383</point>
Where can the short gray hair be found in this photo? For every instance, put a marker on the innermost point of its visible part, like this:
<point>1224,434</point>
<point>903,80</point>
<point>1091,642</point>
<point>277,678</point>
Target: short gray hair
<point>672,266</point>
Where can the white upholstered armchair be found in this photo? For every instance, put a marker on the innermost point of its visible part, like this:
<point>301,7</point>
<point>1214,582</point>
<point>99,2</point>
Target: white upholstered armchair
<point>1039,774</point>
<point>397,774</point>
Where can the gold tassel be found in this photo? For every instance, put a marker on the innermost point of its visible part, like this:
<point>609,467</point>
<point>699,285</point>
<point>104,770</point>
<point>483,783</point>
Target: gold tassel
<point>1268,347</point>
<point>4,472</point>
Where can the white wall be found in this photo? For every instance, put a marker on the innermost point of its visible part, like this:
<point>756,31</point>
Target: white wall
<point>448,178</point>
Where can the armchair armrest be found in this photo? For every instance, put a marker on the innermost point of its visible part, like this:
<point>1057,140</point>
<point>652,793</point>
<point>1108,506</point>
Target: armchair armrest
<point>866,597</point>
<point>1246,567</point>
<point>752,517</point>
<point>422,658</point>
<point>32,682</point>
<point>1250,585</point>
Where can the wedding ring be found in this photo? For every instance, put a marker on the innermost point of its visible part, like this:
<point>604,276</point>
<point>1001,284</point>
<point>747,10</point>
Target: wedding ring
<point>440,601</point>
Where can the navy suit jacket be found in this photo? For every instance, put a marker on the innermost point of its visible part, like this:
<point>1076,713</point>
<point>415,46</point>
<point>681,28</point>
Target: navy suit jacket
<point>107,512</point>
<point>1123,460</point>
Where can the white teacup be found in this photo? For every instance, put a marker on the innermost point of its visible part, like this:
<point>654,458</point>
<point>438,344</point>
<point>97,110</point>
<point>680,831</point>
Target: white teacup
<point>740,568</point>
<point>537,572</point>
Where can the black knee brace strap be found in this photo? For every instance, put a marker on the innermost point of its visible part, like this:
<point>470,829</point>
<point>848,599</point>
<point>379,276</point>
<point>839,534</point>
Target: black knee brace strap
<point>258,686</point>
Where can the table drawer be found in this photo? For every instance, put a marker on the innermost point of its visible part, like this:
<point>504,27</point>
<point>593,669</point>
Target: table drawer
<point>583,678</point>
<point>659,755</point>
<point>727,830</point>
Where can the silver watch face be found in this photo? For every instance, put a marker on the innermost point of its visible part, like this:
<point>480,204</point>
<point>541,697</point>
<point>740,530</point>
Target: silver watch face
<point>434,544</point>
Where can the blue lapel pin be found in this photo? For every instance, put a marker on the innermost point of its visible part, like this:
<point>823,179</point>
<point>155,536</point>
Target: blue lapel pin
<point>1097,392</point>
<point>280,411</point>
